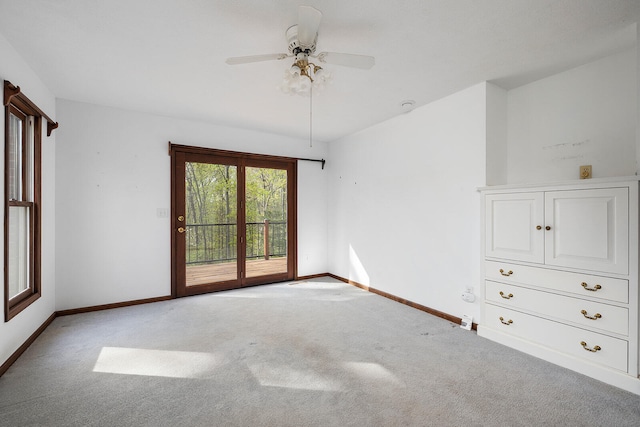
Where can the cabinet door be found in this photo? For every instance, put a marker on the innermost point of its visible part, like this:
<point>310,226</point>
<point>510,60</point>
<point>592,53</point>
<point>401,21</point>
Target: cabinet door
<point>512,222</point>
<point>589,229</point>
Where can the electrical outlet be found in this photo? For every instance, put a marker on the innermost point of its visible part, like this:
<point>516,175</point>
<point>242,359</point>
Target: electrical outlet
<point>467,322</point>
<point>585,172</point>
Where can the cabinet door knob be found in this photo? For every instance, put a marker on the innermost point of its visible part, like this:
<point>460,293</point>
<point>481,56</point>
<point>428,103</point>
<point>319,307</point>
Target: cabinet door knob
<point>547,228</point>
<point>538,227</point>
<point>508,273</point>
<point>508,322</point>
<point>594,317</point>
<point>595,288</point>
<point>506,296</point>
<point>593,350</point>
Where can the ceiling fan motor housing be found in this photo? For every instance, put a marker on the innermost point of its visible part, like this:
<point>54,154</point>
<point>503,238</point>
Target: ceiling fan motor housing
<point>294,44</point>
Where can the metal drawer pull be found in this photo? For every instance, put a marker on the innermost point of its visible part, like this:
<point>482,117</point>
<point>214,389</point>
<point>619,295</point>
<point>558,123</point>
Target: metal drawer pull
<point>508,273</point>
<point>595,288</point>
<point>507,322</point>
<point>595,316</point>
<point>593,350</point>
<point>506,296</point>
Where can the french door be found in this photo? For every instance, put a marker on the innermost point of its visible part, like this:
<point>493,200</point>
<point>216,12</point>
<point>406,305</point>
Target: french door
<point>233,220</point>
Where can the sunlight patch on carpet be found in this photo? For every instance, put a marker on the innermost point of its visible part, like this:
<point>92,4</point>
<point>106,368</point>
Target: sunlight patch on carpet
<point>372,373</point>
<point>156,363</point>
<point>292,292</point>
<point>288,377</point>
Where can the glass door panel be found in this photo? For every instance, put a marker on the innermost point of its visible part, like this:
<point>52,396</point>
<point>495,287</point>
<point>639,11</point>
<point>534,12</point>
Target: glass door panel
<point>211,200</point>
<point>266,221</point>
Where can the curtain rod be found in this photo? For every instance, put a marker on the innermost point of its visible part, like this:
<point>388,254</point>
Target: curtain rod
<point>323,161</point>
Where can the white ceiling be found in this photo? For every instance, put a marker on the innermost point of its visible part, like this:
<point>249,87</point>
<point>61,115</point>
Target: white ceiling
<point>168,56</point>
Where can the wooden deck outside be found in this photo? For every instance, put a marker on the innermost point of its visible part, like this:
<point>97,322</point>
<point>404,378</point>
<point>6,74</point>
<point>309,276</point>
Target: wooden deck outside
<point>210,273</point>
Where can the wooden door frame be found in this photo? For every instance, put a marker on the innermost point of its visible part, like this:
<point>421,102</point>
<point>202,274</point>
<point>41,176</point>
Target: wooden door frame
<point>178,154</point>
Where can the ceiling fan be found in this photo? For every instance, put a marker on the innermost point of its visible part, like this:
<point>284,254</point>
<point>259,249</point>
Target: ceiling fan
<point>302,39</point>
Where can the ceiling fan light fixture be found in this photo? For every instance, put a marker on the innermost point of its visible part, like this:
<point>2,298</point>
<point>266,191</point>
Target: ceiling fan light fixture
<point>296,84</point>
<point>295,70</point>
<point>304,85</point>
<point>321,78</point>
<point>303,76</point>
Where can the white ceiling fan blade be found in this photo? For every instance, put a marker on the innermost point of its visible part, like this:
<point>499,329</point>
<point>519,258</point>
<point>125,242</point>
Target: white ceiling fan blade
<point>256,58</point>
<point>308,24</point>
<point>364,62</point>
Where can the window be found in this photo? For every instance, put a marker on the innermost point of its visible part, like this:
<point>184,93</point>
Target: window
<point>22,225</point>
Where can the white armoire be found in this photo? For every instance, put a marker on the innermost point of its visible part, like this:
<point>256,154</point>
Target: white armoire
<point>560,275</point>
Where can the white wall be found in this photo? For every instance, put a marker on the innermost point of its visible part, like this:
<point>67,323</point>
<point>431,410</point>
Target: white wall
<point>403,207</point>
<point>114,173</point>
<point>497,144</point>
<point>583,116</point>
<point>15,332</point>
<point>312,217</point>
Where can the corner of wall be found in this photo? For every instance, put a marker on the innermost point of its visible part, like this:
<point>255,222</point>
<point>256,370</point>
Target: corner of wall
<point>497,148</point>
<point>637,99</point>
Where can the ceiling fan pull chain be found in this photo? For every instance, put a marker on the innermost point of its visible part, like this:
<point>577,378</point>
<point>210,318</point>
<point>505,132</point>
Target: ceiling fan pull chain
<point>311,116</point>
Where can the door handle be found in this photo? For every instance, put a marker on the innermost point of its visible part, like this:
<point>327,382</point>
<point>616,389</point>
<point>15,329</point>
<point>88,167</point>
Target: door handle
<point>181,229</point>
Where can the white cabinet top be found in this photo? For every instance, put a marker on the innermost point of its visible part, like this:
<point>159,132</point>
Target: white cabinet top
<point>578,183</point>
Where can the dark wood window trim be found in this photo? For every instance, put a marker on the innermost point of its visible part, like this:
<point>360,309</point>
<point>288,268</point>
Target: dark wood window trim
<point>17,104</point>
<point>13,95</point>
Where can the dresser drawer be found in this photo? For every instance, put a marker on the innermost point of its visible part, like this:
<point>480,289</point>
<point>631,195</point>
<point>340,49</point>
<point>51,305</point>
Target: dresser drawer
<point>597,315</point>
<point>597,348</point>
<point>605,288</point>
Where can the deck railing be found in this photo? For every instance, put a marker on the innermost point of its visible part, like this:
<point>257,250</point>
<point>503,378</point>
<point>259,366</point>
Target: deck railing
<point>215,243</point>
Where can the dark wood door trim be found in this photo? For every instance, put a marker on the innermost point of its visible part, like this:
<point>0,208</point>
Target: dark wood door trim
<point>177,269</point>
<point>181,154</point>
<point>227,153</point>
<point>242,226</point>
